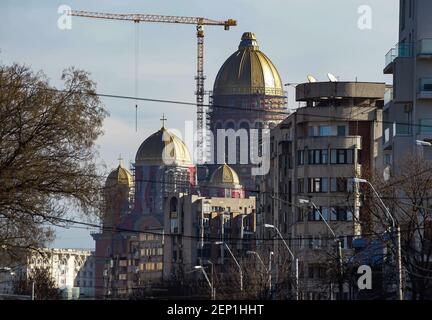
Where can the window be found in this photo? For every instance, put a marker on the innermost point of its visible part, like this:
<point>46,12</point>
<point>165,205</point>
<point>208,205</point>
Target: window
<point>317,185</point>
<point>300,157</point>
<point>325,213</point>
<point>341,131</point>
<point>342,156</point>
<point>338,185</point>
<point>341,214</point>
<point>314,214</point>
<point>325,131</point>
<point>300,185</point>
<point>318,156</point>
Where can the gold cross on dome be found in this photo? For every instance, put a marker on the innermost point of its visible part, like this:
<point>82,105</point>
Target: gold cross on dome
<point>163,119</point>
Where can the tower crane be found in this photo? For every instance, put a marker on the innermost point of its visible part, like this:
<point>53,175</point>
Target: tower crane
<point>200,23</point>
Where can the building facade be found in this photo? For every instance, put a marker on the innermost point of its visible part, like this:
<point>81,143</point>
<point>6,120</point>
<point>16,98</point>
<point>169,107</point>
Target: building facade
<point>72,270</point>
<point>407,109</point>
<point>196,223</point>
<point>315,152</point>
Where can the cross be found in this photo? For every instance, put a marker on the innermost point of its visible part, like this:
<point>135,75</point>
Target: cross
<point>163,119</point>
<point>120,159</point>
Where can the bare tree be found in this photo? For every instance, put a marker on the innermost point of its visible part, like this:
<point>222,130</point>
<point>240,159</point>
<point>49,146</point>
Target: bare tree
<point>44,285</point>
<point>47,154</point>
<point>408,195</point>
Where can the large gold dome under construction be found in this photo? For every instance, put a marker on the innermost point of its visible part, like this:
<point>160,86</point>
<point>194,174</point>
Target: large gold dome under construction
<point>248,71</point>
<point>163,148</point>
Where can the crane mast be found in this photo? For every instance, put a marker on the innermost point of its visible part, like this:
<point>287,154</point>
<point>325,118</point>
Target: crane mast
<point>200,23</point>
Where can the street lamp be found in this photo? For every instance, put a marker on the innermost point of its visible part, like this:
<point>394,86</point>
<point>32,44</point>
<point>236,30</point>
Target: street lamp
<point>338,241</point>
<point>396,232</point>
<point>213,296</point>
<point>423,143</point>
<point>235,260</point>
<point>295,260</point>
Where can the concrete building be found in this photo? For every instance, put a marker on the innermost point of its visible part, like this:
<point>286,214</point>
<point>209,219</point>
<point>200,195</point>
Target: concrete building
<point>407,108</point>
<point>196,222</point>
<point>314,153</point>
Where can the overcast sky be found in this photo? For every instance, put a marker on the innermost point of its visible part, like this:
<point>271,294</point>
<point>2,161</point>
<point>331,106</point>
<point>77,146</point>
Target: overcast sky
<point>301,37</point>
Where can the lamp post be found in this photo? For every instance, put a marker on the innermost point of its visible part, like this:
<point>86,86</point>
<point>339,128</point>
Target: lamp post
<point>295,260</point>
<point>212,294</point>
<point>338,247</point>
<point>235,260</point>
<point>396,232</point>
<point>212,278</point>
<point>270,273</point>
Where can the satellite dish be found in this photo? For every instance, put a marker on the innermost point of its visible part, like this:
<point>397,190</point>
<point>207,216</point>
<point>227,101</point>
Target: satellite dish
<point>332,78</point>
<point>311,79</point>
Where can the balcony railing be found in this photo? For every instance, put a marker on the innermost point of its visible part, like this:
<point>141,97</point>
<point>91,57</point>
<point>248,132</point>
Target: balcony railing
<point>425,47</point>
<point>400,50</point>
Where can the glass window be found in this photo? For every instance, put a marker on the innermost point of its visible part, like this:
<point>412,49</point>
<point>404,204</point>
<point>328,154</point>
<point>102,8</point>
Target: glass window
<point>300,185</point>
<point>333,157</point>
<point>325,213</point>
<point>333,214</point>
<point>324,131</point>
<point>300,157</point>
<point>317,156</point>
<point>324,185</point>
<point>324,156</point>
<point>350,153</point>
<point>341,156</point>
<point>341,131</point>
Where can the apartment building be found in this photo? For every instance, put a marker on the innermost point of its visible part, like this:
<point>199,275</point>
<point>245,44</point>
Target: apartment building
<point>196,223</point>
<point>335,136</point>
<point>407,111</point>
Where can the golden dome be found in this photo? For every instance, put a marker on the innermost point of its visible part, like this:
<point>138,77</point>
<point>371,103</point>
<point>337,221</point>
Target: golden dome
<point>248,71</point>
<point>119,176</point>
<point>163,148</point>
<point>225,175</point>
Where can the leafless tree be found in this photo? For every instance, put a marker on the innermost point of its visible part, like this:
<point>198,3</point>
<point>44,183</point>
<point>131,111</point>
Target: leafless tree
<point>408,195</point>
<point>44,285</point>
<point>47,154</point>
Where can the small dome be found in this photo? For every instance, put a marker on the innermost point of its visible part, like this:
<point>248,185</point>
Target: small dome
<point>163,148</point>
<point>225,175</point>
<point>248,71</point>
<point>119,176</point>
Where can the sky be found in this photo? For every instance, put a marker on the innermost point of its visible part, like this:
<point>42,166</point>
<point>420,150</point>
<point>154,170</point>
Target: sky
<point>301,37</point>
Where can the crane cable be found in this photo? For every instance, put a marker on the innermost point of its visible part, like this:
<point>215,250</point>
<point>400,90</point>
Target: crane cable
<point>136,67</point>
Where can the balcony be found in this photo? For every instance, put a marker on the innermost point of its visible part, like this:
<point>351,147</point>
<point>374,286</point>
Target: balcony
<point>425,88</point>
<point>401,50</point>
<point>425,49</point>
